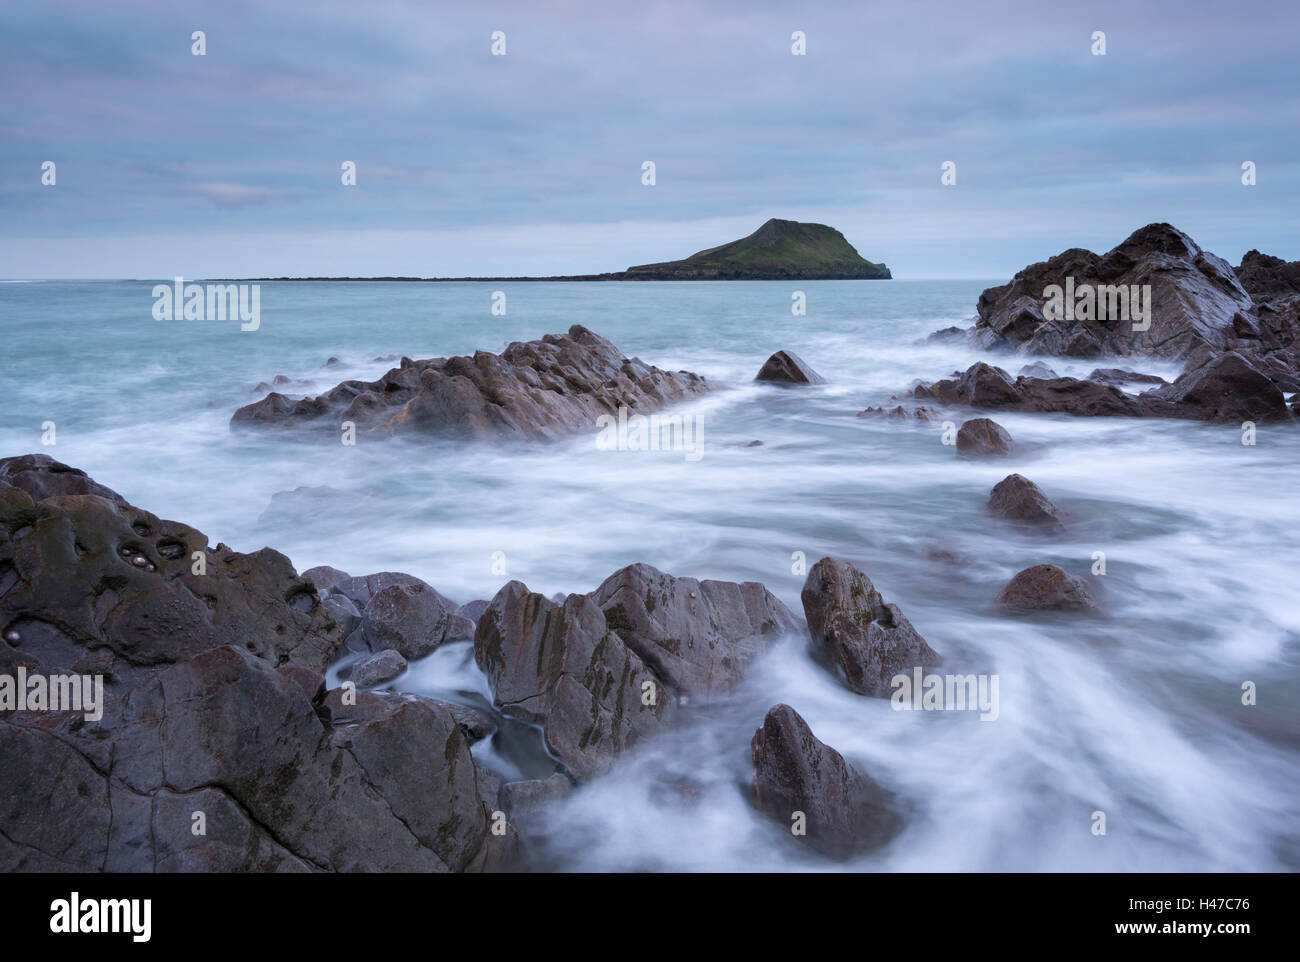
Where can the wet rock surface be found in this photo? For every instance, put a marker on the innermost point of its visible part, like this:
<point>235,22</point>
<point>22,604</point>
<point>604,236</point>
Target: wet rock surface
<point>866,641</point>
<point>1046,587</point>
<point>786,367</point>
<point>1016,498</point>
<point>543,389</point>
<point>982,438</point>
<point>844,812</point>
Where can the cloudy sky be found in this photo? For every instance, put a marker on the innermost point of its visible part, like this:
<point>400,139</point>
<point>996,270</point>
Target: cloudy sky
<point>228,164</point>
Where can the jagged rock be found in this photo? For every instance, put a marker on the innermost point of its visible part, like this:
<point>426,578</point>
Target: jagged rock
<point>1227,390</point>
<point>476,725</point>
<point>699,636</point>
<point>543,389</point>
<point>1194,299</point>
<point>844,811</point>
<point>982,438</point>
<point>378,668</point>
<point>42,477</point>
<point>899,412</point>
<point>561,667</point>
<point>866,641</point>
<point>212,702</point>
<point>1017,498</point>
<point>344,611</point>
<point>1045,587</point>
<point>786,367</point>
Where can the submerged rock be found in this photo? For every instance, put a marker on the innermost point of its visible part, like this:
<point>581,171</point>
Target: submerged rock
<point>982,438</point>
<point>1016,498</point>
<point>867,641</point>
<point>1045,587</point>
<point>542,389</point>
<point>843,811</point>
<point>786,367</point>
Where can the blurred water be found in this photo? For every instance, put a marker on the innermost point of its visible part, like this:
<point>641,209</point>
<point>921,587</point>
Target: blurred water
<point>1135,711</point>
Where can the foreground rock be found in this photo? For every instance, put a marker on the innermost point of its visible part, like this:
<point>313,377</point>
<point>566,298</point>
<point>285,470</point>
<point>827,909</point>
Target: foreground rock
<point>542,389</point>
<point>844,812</point>
<point>865,640</point>
<point>982,438</point>
<point>562,667</point>
<point>212,702</point>
<point>699,636</point>
<point>1045,587</point>
<point>786,367</point>
<point>43,477</point>
<point>1016,498</point>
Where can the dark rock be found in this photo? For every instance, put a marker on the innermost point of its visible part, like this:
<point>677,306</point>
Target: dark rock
<point>561,667</point>
<point>536,390</point>
<point>1227,390</point>
<point>982,438</point>
<point>378,668</point>
<point>786,367</point>
<point>525,803</point>
<point>476,725</point>
<point>344,612</point>
<point>363,588</point>
<point>1119,377</point>
<point>411,618</point>
<point>866,641</point>
<point>920,414</point>
<point>844,811</point>
<point>1016,498</point>
<point>1045,587</point>
<point>699,636</point>
<point>1194,298</point>
<point>42,477</point>
<point>473,610</point>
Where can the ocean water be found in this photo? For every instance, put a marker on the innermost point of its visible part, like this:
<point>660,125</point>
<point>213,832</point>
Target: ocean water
<point>1134,711</point>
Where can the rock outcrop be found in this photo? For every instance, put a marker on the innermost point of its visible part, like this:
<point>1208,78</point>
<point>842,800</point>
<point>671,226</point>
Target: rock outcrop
<point>786,367</point>
<point>212,708</point>
<point>866,641</point>
<point>544,389</point>
<point>799,778</point>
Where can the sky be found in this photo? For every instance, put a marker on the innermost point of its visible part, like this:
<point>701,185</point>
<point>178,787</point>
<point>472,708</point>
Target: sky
<point>229,164</point>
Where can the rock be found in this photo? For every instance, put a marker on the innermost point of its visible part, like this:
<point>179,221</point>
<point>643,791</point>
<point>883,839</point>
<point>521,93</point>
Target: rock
<point>991,387</point>
<point>411,618</point>
<point>949,334</point>
<point>42,477</point>
<point>76,574</point>
<point>378,668</point>
<point>1016,498</point>
<point>1039,370</point>
<point>1227,390</point>
<point>921,414</point>
<point>525,803</point>
<point>844,811</point>
<point>1045,587</point>
<point>699,636</point>
<point>476,725</point>
<point>190,722</point>
<point>561,667</point>
<point>472,611</point>
<point>865,640</point>
<point>1266,277</point>
<point>543,389</point>
<point>982,438</point>
<point>1194,298</point>
<point>363,588</point>
<point>324,577</point>
<point>1119,377</point>
<point>344,612</point>
<point>786,367</point>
